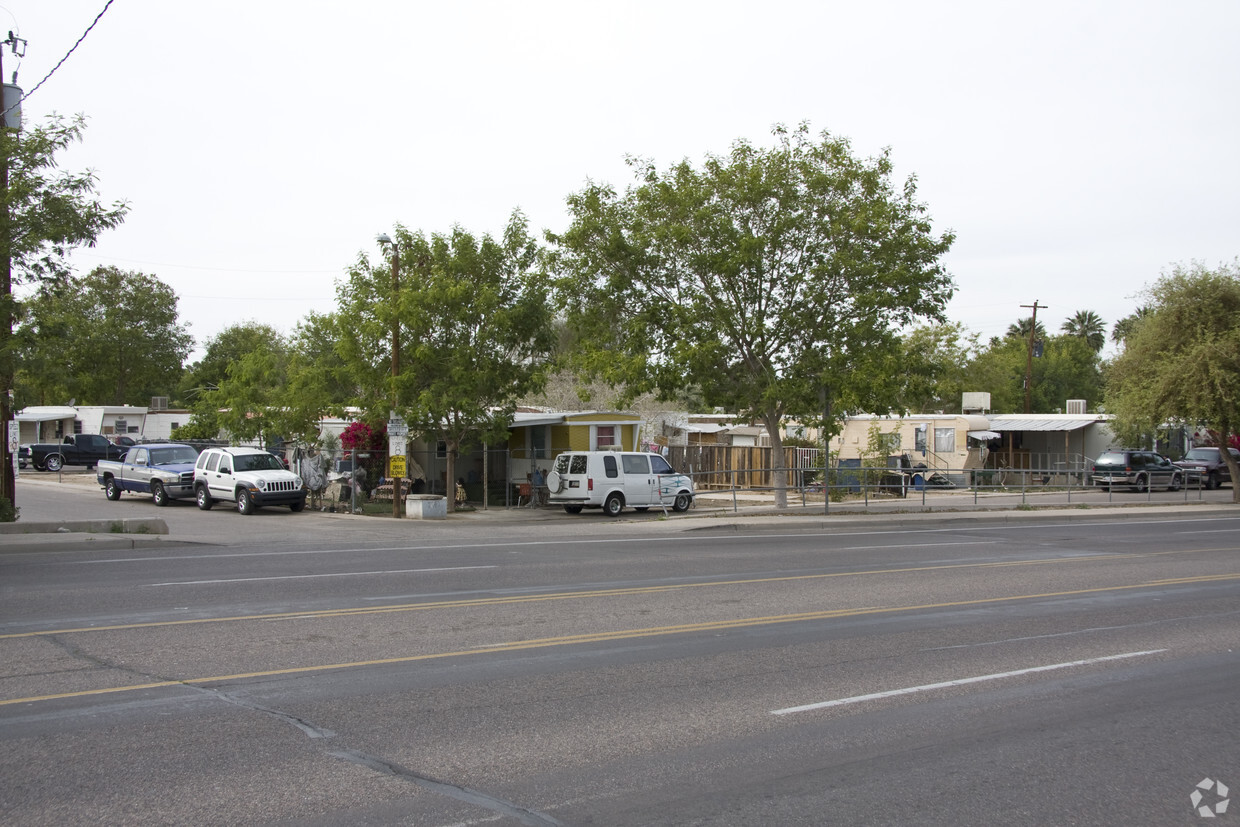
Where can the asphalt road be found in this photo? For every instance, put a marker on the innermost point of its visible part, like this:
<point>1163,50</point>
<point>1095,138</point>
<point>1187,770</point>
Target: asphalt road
<point>1063,669</point>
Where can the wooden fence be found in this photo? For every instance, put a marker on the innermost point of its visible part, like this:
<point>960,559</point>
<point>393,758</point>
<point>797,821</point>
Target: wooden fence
<point>729,466</point>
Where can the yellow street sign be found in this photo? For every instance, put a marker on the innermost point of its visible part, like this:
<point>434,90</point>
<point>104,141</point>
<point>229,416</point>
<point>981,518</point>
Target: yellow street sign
<point>396,467</point>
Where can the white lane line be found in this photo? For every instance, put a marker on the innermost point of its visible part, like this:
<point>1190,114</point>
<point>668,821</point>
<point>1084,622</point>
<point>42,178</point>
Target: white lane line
<point>961,682</point>
<point>679,537</point>
<point>312,576</point>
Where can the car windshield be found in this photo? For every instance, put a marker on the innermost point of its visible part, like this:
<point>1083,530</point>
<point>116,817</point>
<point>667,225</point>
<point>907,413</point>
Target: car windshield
<point>176,455</point>
<point>1204,454</point>
<point>258,462</point>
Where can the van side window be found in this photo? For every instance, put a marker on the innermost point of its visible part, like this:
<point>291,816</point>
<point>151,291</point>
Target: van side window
<point>578,464</point>
<point>659,465</point>
<point>610,468</point>
<point>636,464</point>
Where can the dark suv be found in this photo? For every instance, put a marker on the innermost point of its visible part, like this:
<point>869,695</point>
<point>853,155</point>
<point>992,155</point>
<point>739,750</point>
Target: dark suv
<point>1208,462</point>
<point>1136,469</point>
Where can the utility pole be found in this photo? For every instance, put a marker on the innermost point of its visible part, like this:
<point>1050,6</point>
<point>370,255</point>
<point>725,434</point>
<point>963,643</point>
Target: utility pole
<point>8,481</point>
<point>396,426</point>
<point>1033,332</point>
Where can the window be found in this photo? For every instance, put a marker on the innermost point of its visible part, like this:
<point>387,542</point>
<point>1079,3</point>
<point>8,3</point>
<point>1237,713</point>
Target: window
<point>610,468</point>
<point>538,442</point>
<point>605,436</point>
<point>944,440</point>
<point>659,465</point>
<point>919,439</point>
<point>636,464</point>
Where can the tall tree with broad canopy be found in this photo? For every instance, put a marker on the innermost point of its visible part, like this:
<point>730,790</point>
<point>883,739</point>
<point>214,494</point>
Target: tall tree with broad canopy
<point>936,360</point>
<point>1182,361</point>
<point>112,337</point>
<point>44,213</point>
<point>765,277</point>
<point>475,330</point>
<point>1067,369</point>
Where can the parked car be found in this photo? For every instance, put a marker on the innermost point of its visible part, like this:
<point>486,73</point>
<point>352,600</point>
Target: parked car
<point>611,480</point>
<point>250,477</point>
<point>1209,463</point>
<point>165,471</point>
<point>1136,469</point>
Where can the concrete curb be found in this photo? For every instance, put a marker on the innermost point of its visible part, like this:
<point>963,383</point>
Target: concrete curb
<point>143,525</point>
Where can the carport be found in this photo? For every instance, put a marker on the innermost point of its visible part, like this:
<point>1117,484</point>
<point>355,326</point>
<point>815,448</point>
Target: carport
<point>1051,443</point>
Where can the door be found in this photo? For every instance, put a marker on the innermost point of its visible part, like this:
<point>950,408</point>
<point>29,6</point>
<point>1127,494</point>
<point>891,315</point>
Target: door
<point>220,476</point>
<point>639,484</point>
<point>137,470</point>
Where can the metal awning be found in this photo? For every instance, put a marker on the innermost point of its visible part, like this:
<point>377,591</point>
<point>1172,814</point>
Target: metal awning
<point>985,435</point>
<point>45,415</point>
<point>1041,423</point>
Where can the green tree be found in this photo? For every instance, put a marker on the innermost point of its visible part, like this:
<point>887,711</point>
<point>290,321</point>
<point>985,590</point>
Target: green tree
<point>760,277</point>
<point>1087,325</point>
<point>474,326</point>
<point>244,376</point>
<point>1124,327</point>
<point>112,337</point>
<point>936,360</point>
<point>219,382</point>
<point>222,350</point>
<point>1019,329</point>
<point>44,212</point>
<point>1068,369</point>
<point>1182,361</point>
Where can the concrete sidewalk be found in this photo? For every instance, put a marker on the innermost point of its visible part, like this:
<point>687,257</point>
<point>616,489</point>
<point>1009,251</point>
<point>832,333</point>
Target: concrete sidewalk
<point>718,511</point>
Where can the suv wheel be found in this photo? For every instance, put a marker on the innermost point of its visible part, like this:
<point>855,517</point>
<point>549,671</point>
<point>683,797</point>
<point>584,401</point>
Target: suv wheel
<point>1213,481</point>
<point>204,498</point>
<point>245,503</point>
<point>1143,483</point>
<point>613,505</point>
<point>1175,483</point>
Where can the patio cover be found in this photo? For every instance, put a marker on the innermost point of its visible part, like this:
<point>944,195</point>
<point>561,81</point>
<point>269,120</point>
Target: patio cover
<point>45,414</point>
<point>1033,422</point>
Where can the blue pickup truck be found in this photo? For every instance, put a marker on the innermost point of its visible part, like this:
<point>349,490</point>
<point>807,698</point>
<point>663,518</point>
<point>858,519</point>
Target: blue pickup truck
<point>165,471</point>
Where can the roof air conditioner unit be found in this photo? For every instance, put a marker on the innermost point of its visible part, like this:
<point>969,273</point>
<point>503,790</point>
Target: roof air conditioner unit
<point>1076,406</point>
<point>159,403</point>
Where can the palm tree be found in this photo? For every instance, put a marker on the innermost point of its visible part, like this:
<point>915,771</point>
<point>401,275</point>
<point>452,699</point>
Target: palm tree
<point>1089,326</point>
<point>1124,327</point>
<point>1020,329</point>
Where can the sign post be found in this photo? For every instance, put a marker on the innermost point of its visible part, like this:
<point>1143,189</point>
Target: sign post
<point>398,433</point>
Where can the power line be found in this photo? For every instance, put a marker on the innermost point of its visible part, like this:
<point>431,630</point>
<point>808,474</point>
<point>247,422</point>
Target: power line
<point>106,6</point>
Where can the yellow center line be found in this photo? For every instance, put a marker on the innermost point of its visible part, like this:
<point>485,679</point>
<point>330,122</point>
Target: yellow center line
<point>620,634</point>
<point>579,595</point>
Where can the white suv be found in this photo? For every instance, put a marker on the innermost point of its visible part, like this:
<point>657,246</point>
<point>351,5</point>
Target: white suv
<point>251,477</point>
<point>613,479</point>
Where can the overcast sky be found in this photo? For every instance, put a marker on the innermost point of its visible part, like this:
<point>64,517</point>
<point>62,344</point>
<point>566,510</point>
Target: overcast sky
<point>1077,149</point>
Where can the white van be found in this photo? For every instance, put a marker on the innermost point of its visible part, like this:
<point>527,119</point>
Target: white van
<point>612,480</point>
